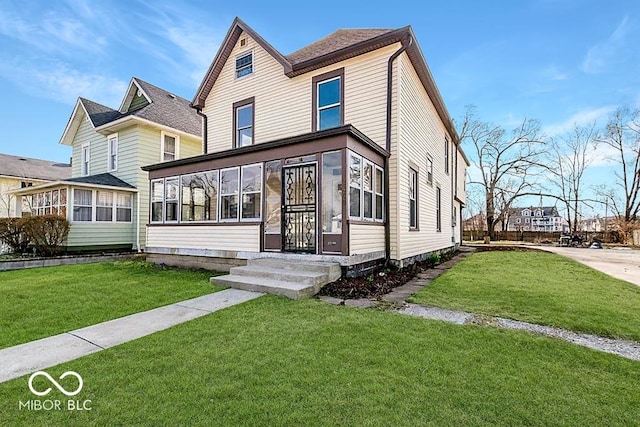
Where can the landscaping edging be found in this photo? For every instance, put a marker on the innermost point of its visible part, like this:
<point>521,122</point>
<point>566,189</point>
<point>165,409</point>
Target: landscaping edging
<point>19,264</point>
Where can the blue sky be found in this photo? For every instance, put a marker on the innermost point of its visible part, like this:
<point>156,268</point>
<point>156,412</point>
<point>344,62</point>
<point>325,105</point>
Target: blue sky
<point>558,61</point>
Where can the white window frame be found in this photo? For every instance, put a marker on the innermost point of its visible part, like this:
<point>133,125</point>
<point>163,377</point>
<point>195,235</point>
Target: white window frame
<point>446,155</point>
<point>85,160</point>
<point>438,209</point>
<point>236,193</point>
<point>429,169</point>
<point>92,205</point>
<point>176,154</point>
<point>111,206</point>
<point>152,200</point>
<point>326,107</point>
<point>165,199</point>
<point>242,193</point>
<point>366,163</point>
<point>376,194</point>
<point>413,195</point>
<point>349,186</point>
<point>112,152</point>
<point>242,55</point>
<point>116,206</point>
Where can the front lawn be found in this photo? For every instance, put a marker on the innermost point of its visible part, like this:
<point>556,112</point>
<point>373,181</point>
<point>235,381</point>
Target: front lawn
<point>39,302</point>
<point>277,362</point>
<point>541,288</point>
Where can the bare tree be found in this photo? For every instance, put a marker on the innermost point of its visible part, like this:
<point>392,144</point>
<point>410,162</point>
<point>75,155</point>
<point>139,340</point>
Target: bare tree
<point>568,158</point>
<point>622,134</point>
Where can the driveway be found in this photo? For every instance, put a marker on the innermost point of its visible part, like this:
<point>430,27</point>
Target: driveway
<point>620,263</point>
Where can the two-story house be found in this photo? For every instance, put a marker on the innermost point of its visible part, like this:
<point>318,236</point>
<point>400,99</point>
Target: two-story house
<point>106,199</point>
<point>541,219</point>
<point>18,172</point>
<point>342,151</point>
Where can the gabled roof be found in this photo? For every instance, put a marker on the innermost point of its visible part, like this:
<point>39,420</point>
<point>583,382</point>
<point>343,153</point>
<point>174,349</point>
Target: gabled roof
<point>338,46</point>
<point>103,180</point>
<point>164,108</point>
<point>24,167</point>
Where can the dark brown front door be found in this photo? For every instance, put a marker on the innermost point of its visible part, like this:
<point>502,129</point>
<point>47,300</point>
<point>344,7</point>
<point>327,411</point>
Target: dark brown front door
<point>299,205</point>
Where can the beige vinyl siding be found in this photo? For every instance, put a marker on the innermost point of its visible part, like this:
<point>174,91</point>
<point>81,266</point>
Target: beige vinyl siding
<point>90,234</point>
<point>365,239</point>
<point>275,94</point>
<point>190,147</point>
<point>242,238</point>
<point>421,132</point>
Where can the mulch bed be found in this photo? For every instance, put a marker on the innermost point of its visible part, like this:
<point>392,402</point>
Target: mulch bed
<point>378,283</point>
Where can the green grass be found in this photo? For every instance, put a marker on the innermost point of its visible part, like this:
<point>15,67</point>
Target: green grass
<point>39,302</point>
<point>277,362</point>
<point>540,288</point>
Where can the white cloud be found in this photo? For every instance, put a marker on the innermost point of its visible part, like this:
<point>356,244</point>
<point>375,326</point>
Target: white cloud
<point>552,72</point>
<point>59,82</point>
<point>581,118</point>
<point>197,48</point>
<point>601,55</point>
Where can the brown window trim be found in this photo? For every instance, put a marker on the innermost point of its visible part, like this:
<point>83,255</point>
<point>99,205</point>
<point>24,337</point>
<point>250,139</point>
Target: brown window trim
<point>237,105</point>
<point>314,95</point>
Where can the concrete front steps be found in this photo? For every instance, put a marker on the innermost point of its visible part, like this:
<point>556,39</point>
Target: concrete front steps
<point>292,279</point>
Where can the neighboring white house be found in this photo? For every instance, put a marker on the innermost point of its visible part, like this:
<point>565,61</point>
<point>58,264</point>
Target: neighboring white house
<point>106,199</point>
<point>20,172</point>
<point>342,151</point>
<point>542,219</point>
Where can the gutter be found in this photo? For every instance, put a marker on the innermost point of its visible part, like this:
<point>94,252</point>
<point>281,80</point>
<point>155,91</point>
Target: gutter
<point>205,142</point>
<point>387,208</point>
<point>138,222</point>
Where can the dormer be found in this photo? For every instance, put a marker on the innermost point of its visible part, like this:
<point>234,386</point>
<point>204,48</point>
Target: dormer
<point>526,212</point>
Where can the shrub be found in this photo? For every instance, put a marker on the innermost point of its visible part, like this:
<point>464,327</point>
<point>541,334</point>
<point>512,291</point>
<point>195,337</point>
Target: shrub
<point>12,233</point>
<point>47,233</point>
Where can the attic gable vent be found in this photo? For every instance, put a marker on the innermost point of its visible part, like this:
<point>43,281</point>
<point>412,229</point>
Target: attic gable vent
<point>243,42</point>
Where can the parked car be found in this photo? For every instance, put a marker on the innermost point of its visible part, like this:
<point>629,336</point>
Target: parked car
<point>596,245</point>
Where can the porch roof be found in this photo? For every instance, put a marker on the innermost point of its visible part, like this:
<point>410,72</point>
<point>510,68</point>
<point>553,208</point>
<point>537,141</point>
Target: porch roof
<point>307,137</point>
<point>102,181</point>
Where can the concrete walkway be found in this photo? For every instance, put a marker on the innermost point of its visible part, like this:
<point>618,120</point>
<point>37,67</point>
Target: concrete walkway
<point>41,354</point>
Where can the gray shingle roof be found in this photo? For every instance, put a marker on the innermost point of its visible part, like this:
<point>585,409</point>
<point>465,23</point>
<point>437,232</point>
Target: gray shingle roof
<point>24,167</point>
<point>335,41</point>
<point>165,108</point>
<point>169,109</point>
<point>101,179</point>
<point>98,113</point>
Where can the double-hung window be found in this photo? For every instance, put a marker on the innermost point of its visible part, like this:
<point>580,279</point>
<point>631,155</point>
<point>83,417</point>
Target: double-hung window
<point>446,155</point>
<point>413,199</point>
<point>82,205</point>
<point>124,207</point>
<point>251,190</point>
<point>112,159</point>
<point>355,186</point>
<point>379,194</point>
<point>85,160</point>
<point>229,183</point>
<point>243,119</point>
<point>328,93</point>
<point>367,191</point>
<point>157,199</point>
<point>429,169</point>
<point>170,144</point>
<point>104,206</point>
<point>244,64</point>
<point>171,192</point>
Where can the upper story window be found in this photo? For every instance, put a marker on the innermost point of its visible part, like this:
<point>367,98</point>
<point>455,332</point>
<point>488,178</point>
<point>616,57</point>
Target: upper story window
<point>328,99</point>
<point>85,160</point>
<point>446,155</point>
<point>429,169</point>
<point>112,159</point>
<point>169,146</point>
<point>244,64</point>
<point>243,122</point>
<point>438,209</point>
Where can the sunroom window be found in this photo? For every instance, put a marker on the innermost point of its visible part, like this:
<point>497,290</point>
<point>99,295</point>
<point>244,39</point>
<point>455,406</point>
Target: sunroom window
<point>229,182</point>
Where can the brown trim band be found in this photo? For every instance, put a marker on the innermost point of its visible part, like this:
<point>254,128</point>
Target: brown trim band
<point>361,222</point>
<point>200,224</point>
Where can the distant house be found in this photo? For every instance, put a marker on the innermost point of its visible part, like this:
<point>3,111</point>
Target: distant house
<point>341,151</point>
<point>106,199</point>
<point>20,172</point>
<point>543,219</point>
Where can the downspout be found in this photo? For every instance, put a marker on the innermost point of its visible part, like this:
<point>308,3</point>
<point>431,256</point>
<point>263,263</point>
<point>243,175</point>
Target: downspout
<point>387,207</point>
<point>205,147</point>
<point>138,222</point>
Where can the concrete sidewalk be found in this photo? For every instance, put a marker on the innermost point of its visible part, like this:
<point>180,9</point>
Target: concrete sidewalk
<point>41,354</point>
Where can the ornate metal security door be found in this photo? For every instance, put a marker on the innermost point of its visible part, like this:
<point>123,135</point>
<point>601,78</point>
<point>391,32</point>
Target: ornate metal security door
<point>299,208</point>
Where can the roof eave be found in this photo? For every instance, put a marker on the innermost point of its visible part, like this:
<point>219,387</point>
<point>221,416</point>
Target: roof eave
<point>119,123</point>
<point>66,138</point>
<point>28,190</point>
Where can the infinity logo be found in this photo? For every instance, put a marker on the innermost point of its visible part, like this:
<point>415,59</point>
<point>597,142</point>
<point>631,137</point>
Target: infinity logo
<point>55,383</point>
